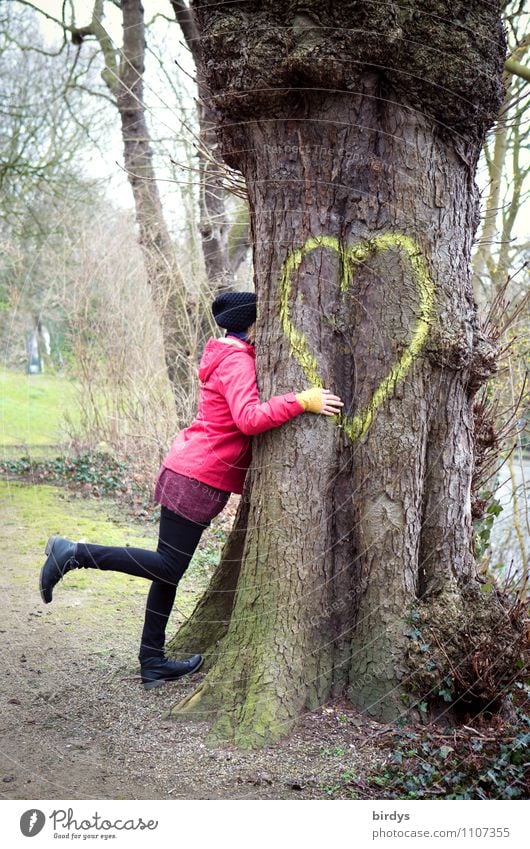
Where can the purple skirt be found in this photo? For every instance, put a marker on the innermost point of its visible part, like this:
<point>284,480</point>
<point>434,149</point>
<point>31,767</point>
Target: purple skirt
<point>189,497</point>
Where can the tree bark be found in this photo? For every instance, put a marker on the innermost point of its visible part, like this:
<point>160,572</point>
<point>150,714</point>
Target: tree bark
<point>359,148</point>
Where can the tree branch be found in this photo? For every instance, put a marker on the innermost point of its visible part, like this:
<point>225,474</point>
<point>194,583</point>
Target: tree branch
<point>96,29</point>
<point>62,24</point>
<point>109,74</point>
<point>515,67</point>
<point>185,19</point>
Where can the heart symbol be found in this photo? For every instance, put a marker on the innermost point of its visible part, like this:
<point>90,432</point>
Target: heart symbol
<point>351,257</point>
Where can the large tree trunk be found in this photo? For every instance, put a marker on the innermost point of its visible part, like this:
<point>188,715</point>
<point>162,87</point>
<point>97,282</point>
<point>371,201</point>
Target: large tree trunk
<point>363,206</point>
<point>205,629</point>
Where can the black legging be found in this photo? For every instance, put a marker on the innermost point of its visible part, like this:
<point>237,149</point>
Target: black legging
<point>177,540</point>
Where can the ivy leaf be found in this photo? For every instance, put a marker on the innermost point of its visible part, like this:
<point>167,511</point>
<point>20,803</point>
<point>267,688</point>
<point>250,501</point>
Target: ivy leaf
<point>445,751</point>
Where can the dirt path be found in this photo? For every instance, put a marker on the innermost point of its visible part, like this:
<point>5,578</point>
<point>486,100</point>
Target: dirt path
<point>75,722</point>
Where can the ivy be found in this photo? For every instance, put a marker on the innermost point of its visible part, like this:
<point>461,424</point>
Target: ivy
<point>483,526</point>
<point>424,765</point>
<point>97,469</point>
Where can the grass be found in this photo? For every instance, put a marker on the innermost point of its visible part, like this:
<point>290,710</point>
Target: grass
<point>40,511</point>
<point>32,409</point>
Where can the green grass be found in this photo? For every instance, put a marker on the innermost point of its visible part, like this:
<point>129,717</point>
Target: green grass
<point>51,511</point>
<point>32,409</point>
<point>31,420</point>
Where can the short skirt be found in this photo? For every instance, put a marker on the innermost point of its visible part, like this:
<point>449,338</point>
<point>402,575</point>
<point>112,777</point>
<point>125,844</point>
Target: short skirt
<point>188,497</point>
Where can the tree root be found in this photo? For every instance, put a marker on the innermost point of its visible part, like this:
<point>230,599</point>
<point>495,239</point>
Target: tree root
<point>187,707</point>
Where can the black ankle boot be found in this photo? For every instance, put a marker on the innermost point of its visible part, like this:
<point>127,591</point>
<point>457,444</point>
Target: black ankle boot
<point>61,559</point>
<point>157,670</point>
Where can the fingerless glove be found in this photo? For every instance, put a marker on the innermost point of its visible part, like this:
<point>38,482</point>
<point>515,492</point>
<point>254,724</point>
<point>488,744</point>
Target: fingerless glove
<point>311,400</point>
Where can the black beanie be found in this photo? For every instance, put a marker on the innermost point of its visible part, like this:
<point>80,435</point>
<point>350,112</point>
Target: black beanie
<point>235,311</point>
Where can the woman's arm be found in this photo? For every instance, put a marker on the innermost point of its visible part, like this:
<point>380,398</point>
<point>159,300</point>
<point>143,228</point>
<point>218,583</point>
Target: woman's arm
<point>238,380</point>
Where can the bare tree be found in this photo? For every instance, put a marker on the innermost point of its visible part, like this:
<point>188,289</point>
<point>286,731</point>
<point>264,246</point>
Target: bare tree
<point>499,254</point>
<point>500,278</point>
<point>39,143</point>
<point>40,147</point>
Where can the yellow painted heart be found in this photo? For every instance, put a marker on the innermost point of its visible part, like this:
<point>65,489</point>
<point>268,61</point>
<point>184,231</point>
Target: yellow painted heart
<point>356,426</point>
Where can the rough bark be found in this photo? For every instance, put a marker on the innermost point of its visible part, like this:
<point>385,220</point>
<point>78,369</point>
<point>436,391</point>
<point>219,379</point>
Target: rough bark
<point>208,624</point>
<point>359,142</point>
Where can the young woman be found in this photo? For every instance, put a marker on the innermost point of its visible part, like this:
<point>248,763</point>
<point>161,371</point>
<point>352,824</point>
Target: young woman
<point>207,461</point>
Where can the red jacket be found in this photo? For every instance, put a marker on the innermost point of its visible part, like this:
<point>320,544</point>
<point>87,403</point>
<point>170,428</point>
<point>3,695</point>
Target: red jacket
<point>216,447</point>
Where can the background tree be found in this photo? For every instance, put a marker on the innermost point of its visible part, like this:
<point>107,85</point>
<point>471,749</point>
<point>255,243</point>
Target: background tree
<point>99,286</point>
<point>358,129</point>
<point>499,253</point>
<point>40,145</point>
<point>180,306</point>
<point>40,151</point>
<point>224,242</point>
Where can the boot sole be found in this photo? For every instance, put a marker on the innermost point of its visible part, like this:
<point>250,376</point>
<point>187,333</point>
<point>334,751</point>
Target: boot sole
<point>159,682</point>
<point>151,685</point>
<point>46,595</point>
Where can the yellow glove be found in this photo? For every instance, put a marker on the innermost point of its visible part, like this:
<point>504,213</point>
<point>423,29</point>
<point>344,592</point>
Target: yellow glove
<point>318,400</point>
<point>311,400</point>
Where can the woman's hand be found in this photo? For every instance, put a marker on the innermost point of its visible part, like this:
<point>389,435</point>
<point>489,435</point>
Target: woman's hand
<point>321,401</point>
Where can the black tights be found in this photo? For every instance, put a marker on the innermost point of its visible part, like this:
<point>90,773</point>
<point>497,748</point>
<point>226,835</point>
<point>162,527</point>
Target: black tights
<point>177,540</point>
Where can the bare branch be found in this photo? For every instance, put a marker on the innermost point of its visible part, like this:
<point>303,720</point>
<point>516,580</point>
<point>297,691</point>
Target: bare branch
<point>186,21</point>
<point>513,64</point>
<point>62,24</point>
<point>517,69</point>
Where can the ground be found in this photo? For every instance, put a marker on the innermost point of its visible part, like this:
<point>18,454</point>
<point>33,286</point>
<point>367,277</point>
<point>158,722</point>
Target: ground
<point>75,720</point>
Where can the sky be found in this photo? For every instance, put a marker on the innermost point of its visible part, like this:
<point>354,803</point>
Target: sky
<point>83,10</point>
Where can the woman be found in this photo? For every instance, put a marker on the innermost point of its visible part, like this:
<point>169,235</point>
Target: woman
<point>207,461</point>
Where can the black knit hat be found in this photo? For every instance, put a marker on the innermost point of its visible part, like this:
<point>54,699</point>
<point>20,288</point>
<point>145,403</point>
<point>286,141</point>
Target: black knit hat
<point>235,311</point>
